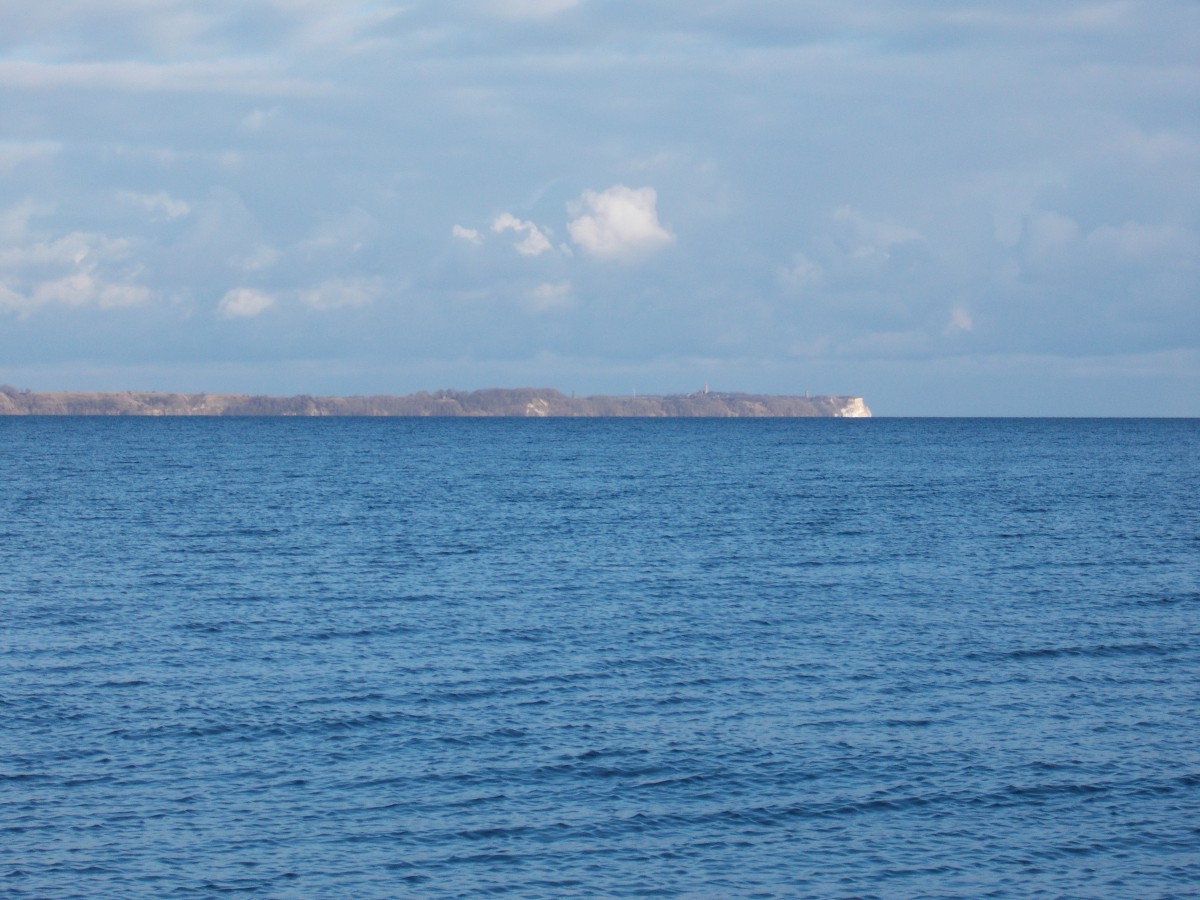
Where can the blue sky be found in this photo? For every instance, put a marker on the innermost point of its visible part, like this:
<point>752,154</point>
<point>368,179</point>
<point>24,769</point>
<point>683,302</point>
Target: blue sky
<point>949,208</point>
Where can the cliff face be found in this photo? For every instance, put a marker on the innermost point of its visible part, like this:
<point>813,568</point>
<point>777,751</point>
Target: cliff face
<point>531,402</point>
<point>854,408</point>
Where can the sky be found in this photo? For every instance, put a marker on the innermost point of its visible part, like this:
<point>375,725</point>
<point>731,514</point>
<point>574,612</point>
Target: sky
<point>949,208</point>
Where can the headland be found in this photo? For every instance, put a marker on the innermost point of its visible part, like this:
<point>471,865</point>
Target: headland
<point>494,402</point>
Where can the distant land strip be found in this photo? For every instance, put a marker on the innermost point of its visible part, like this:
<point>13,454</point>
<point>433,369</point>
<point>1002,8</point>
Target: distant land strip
<point>514,402</point>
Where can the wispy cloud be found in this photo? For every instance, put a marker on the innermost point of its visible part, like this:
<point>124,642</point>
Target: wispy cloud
<point>257,259</point>
<point>161,204</point>
<point>219,77</point>
<point>14,153</point>
<point>470,235</point>
<point>189,29</point>
<point>531,9</point>
<point>349,231</point>
<point>1137,242</point>
<point>960,321</point>
<point>872,240</point>
<point>551,296</point>
<point>801,273</point>
<point>343,293</point>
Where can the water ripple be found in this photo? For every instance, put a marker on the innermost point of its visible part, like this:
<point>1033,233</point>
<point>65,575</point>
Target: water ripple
<point>389,658</point>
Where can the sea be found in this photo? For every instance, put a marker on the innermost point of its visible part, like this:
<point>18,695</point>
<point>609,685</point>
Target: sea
<point>599,658</point>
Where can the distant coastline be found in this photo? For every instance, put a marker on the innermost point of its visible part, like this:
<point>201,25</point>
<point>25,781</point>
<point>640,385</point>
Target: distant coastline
<point>493,402</point>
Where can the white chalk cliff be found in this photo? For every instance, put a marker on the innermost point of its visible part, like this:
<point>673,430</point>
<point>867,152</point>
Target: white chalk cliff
<point>854,408</point>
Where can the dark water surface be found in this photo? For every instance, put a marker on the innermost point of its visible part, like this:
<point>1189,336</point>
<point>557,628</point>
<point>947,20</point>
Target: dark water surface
<point>372,658</point>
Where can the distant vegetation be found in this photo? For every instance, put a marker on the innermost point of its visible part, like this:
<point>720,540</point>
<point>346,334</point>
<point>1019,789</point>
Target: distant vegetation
<point>493,402</point>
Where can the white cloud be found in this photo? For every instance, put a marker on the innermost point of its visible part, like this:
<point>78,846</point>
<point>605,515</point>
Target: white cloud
<point>75,270</point>
<point>77,290</point>
<point>160,204</point>
<point>533,244</point>
<point>619,223</point>
<point>551,296</point>
<point>343,293</point>
<point>21,247</point>
<point>69,250</point>
<point>244,303</point>
<point>85,289</point>
<point>470,235</point>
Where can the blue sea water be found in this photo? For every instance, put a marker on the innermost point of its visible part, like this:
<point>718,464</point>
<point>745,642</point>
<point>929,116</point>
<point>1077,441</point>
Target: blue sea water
<point>547,658</point>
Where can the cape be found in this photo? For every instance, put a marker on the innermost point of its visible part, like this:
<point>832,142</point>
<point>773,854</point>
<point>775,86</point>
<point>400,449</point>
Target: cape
<point>519,402</point>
